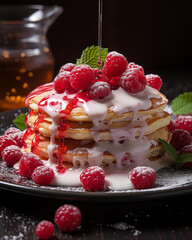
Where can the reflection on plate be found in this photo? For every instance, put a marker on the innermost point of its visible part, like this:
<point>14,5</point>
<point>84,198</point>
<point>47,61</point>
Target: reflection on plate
<point>170,182</point>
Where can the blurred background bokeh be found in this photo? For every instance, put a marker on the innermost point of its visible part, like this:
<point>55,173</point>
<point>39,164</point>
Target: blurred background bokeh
<point>154,34</point>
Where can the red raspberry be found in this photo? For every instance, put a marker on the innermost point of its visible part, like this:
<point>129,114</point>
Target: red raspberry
<point>143,81</point>
<point>180,138</point>
<point>62,83</point>
<point>154,81</point>
<point>81,77</point>
<point>114,83</point>
<point>6,141</point>
<point>44,229</point>
<point>68,218</point>
<point>12,130</point>
<point>18,137</point>
<point>132,81</point>
<point>142,177</point>
<point>11,155</point>
<point>99,90</point>
<point>97,71</point>
<point>172,126</point>
<point>186,149</point>
<point>28,163</point>
<point>43,175</point>
<point>93,179</point>
<point>132,65</point>
<point>184,122</point>
<point>99,76</point>
<point>115,64</point>
<point>67,67</point>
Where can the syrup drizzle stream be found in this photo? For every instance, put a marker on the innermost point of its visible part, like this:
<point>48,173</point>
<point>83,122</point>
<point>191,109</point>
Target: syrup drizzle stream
<point>34,145</point>
<point>39,120</point>
<point>99,63</point>
<point>62,148</point>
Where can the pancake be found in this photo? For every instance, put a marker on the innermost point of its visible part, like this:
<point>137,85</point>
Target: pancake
<point>85,130</point>
<point>121,129</point>
<point>78,113</point>
<point>79,149</point>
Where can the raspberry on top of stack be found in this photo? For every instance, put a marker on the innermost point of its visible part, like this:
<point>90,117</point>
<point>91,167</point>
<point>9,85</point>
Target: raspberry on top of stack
<point>112,117</point>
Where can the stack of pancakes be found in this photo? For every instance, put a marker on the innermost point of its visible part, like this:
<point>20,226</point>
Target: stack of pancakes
<point>82,136</point>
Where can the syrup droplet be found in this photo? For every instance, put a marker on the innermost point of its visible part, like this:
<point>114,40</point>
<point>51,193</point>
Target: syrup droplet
<point>99,63</point>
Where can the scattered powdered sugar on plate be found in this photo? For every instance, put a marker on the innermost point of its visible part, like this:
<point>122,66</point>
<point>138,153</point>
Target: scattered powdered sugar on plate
<point>170,177</point>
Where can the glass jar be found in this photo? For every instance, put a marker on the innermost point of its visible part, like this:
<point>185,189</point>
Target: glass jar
<point>26,60</point>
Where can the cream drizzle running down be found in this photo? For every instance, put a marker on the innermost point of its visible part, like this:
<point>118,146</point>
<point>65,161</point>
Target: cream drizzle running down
<point>119,101</point>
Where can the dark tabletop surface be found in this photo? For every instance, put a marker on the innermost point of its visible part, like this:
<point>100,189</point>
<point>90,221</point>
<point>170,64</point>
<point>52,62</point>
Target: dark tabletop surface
<point>167,218</point>
<point>161,219</point>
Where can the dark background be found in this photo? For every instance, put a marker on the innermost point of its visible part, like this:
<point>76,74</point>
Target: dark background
<point>154,34</point>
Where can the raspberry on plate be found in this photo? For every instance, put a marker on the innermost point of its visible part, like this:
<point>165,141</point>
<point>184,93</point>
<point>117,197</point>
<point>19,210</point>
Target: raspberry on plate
<point>81,77</point>
<point>68,217</point>
<point>142,177</point>
<point>172,126</point>
<point>44,229</point>
<point>93,179</point>
<point>154,81</point>
<point>11,155</point>
<point>18,137</point>
<point>186,149</point>
<point>115,64</point>
<point>180,138</point>
<point>6,141</point>
<point>132,81</point>
<point>99,90</point>
<point>12,130</point>
<point>184,122</point>
<point>43,175</point>
<point>62,83</point>
<point>67,67</point>
<point>28,163</point>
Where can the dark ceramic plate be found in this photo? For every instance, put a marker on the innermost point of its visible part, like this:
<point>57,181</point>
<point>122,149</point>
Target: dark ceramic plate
<point>170,182</point>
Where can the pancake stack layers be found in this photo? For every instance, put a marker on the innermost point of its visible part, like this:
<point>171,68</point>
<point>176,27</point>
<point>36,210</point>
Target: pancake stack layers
<point>119,131</point>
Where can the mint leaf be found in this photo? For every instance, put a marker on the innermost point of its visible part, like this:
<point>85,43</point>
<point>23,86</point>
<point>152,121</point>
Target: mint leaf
<point>90,55</point>
<point>180,160</point>
<point>19,121</point>
<point>182,104</point>
<point>170,150</point>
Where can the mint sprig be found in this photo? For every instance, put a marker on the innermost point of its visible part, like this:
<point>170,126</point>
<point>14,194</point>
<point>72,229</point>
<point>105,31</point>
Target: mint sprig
<point>19,121</point>
<point>181,159</point>
<point>90,55</point>
<point>182,104</point>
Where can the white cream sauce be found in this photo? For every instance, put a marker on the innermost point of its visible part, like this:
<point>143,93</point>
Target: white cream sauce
<point>120,102</point>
